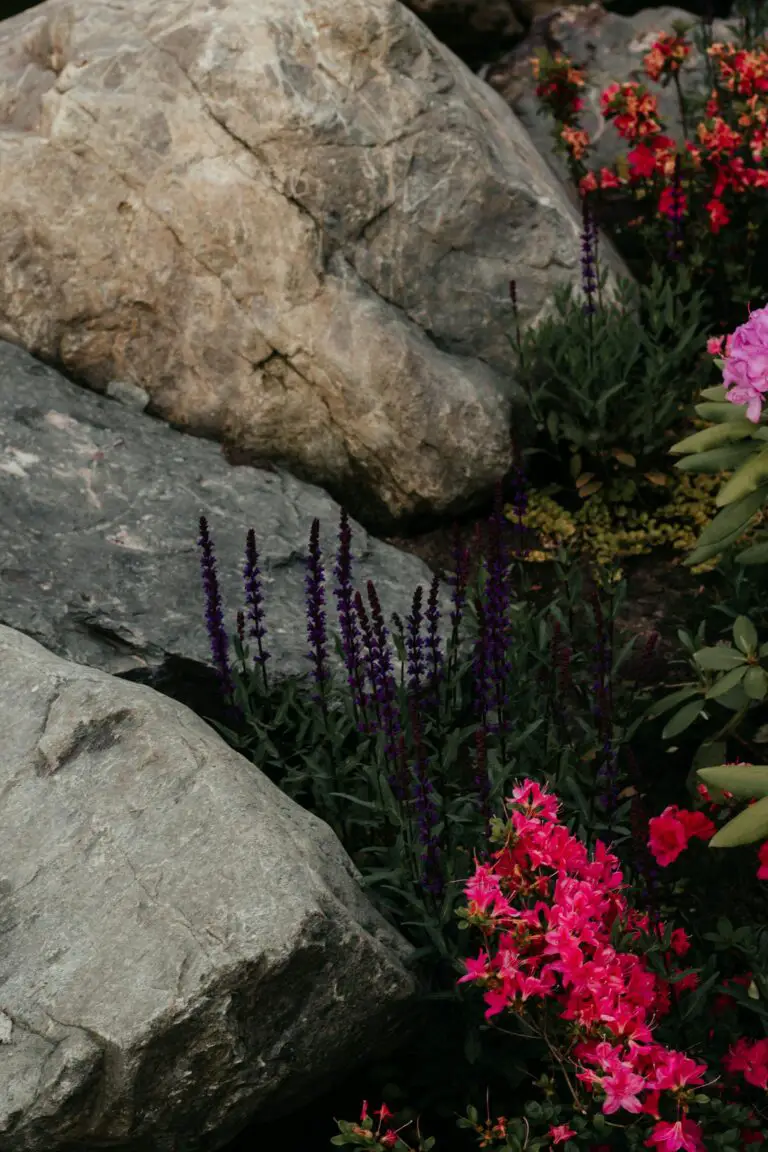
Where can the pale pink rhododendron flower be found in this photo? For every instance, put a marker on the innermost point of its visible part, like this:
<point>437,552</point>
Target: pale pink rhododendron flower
<point>745,372</point>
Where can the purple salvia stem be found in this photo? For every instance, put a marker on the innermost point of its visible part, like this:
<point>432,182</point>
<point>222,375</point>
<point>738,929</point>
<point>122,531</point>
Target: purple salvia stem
<point>350,633</point>
<point>415,644</point>
<point>588,279</point>
<point>253,602</point>
<point>316,632</point>
<point>386,691</point>
<point>214,617</point>
<point>436,660</point>
<point>459,581</point>
<point>426,811</point>
<point>482,780</point>
<point>497,594</point>
<point>369,646</point>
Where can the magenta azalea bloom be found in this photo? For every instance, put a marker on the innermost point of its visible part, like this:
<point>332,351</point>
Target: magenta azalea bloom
<point>746,368</point>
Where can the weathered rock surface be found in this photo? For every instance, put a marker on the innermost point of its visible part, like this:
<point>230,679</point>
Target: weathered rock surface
<point>610,49</point>
<point>156,990</point>
<point>292,223</point>
<point>99,511</point>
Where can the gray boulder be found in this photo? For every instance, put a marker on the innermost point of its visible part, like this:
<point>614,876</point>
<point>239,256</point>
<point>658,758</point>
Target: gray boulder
<point>99,510</point>
<point>181,946</point>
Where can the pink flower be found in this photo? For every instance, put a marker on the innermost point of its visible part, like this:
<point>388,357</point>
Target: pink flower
<point>749,1059</point>
<point>667,837</point>
<point>670,832</point>
<point>560,1133</point>
<point>762,872</point>
<point>683,1134</point>
<point>746,368</point>
<point>621,1089</point>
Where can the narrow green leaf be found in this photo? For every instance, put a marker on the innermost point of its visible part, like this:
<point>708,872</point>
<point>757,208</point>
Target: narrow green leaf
<point>721,413</point>
<point>727,682</point>
<point>747,479</point>
<point>713,437</point>
<point>735,517</point>
<point>683,719</point>
<point>755,554</point>
<point>749,826</point>
<point>664,705</point>
<point>723,459</point>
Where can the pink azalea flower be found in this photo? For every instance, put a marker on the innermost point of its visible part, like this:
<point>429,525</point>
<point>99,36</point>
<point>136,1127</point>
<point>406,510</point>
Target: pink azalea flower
<point>560,1133</point>
<point>762,872</point>
<point>683,1134</point>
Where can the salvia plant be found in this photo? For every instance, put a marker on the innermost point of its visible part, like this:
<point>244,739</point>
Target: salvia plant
<point>410,770</point>
<point>606,381</point>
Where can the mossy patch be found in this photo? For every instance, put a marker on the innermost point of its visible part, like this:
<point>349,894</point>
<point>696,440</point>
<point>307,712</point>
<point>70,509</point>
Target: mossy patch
<point>607,527</point>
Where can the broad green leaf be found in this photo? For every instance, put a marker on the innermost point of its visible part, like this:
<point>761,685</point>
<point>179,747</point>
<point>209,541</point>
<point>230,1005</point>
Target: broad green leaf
<point>749,826</point>
<point>717,393</point>
<point>683,719</point>
<point>747,781</point>
<point>727,682</point>
<point>745,635</point>
<point>709,754</point>
<point>748,478</point>
<point>756,683</point>
<point>660,706</point>
<point>721,413</point>
<point>713,437</point>
<point>755,554</point>
<point>720,659</point>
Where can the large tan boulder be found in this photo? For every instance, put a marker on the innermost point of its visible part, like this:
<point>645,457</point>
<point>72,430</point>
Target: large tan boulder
<point>293,222</point>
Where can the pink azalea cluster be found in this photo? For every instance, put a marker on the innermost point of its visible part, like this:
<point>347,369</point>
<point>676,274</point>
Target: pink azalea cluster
<point>745,372</point>
<point>670,832</point>
<point>547,910</point>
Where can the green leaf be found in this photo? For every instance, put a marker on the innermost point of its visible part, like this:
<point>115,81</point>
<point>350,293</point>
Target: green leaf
<point>721,413</point>
<point>747,479</point>
<point>727,527</point>
<point>747,781</point>
<point>717,393</point>
<point>683,719</point>
<point>745,635</point>
<point>756,554</point>
<point>749,826</point>
<point>727,682</point>
<point>756,683</point>
<point>660,706</point>
<point>720,659</point>
<point>713,437</point>
<point>722,459</point>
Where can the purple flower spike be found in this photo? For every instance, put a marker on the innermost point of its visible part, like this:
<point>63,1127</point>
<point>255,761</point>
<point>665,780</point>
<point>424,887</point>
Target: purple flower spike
<point>254,601</point>
<point>316,634</point>
<point>214,616</point>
